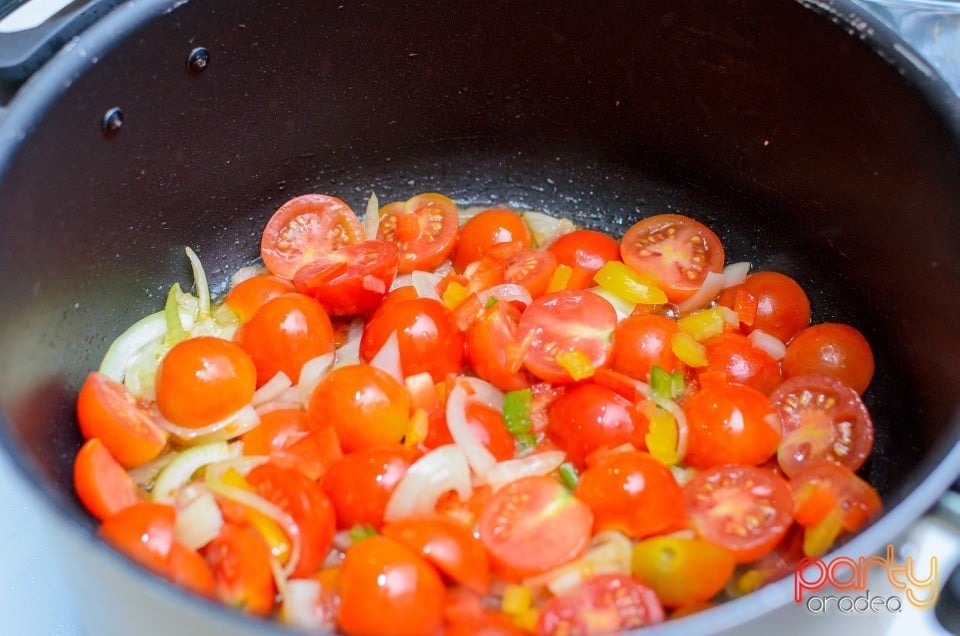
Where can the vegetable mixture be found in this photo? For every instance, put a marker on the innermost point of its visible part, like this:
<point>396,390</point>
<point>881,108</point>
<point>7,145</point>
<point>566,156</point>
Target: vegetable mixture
<point>441,420</point>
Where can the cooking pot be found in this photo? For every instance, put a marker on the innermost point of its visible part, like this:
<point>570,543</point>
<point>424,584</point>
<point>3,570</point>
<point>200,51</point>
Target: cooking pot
<point>806,134</point>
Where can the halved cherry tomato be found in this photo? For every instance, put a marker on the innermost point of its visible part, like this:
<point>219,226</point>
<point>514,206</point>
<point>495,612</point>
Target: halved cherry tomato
<point>188,569</point>
<point>353,280</point>
<point>389,589</point>
<point>833,349</point>
<point>365,405</point>
<point>730,424</point>
<point>203,380</point>
<point>643,342</point>
<point>782,308</point>
<point>605,604</point>
<point>248,296</point>
<point>428,339</point>
<point>103,486</point>
<point>632,492</point>
<point>745,509</point>
<point>423,228</point>
<point>488,427</point>
<point>589,417</point>
<point>446,544</point>
<point>734,356</point>
<point>585,252</point>
<point>519,516</point>
<point>303,500</point>
<point>290,438</point>
<point>360,484</point>
<point>823,419</point>
<point>675,250</point>
<point>305,228</point>
<point>857,499</point>
<point>407,292</point>
<point>492,348</point>
<point>532,269</point>
<point>143,532</point>
<point>468,512</point>
<point>240,561</point>
<point>484,622</point>
<point>481,232</point>
<point>682,571</point>
<point>566,321</point>
<point>284,334</point>
<point>106,410</point>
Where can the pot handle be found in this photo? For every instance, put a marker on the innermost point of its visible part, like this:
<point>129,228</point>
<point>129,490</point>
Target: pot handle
<point>31,31</point>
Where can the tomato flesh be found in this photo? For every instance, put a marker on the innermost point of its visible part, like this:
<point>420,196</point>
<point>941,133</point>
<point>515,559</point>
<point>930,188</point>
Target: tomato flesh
<point>353,280</point>
<point>423,228</point>
<point>605,604</point>
<point>102,484</point>
<point>486,229</point>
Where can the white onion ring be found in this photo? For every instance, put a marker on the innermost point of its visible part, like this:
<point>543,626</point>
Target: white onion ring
<point>735,273</point>
<point>272,389</point>
<point>242,464</point>
<point>768,343</point>
<point>311,374</point>
<point>485,392</point>
<point>426,284</point>
<point>233,425</point>
<point>513,469</point>
<point>506,292</point>
<point>388,358</point>
<point>711,287</point>
<point>481,460</point>
<point>402,280</point>
<point>145,331</point>
<point>178,472</point>
<point>300,606</point>
<point>371,218</point>
<point>199,521</point>
<point>242,274</point>
<point>349,352</point>
<point>443,469</point>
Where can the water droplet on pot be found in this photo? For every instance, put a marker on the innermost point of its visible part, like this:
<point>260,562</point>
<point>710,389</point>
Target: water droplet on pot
<point>112,122</point>
<point>198,59</point>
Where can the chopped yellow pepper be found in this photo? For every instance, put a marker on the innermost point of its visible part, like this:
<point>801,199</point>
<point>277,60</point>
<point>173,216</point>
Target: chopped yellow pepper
<point>818,538</point>
<point>527,621</point>
<point>417,428</point>
<point>576,363</point>
<point>661,438</point>
<point>454,294</point>
<point>691,352</point>
<point>620,280</point>
<point>266,527</point>
<point>560,279</point>
<point>703,324</point>
<point>516,600</point>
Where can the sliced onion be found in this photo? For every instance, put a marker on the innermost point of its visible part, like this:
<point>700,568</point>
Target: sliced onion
<point>388,358</point>
<point>200,281</point>
<point>244,273</point>
<point>480,458</point>
<point>485,392</point>
<point>735,273</point>
<point>622,307</point>
<point>145,476</point>
<point>242,464</point>
<point>730,317</point>
<point>443,268</point>
<point>426,284</point>
<point>268,509</point>
<point>229,427</point>
<point>146,331</point>
<point>712,285</point>
<point>609,553</point>
<point>508,292</point>
<point>443,469</point>
<point>290,399</point>
<point>178,472</point>
<point>545,228</point>
<point>312,372</point>
<point>272,389</point>
<point>371,218</point>
<point>342,541</point>
<point>769,343</point>
<point>513,469</point>
<point>301,606</point>
<point>199,521</point>
<point>682,475</point>
<point>422,390</point>
<point>402,280</point>
<point>349,351</point>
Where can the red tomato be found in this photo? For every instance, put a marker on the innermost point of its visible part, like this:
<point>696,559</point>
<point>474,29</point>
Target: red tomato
<point>518,517</point>
<point>186,568</point>
<point>605,604</point>
<point>143,532</point>
<point>284,334</point>
<point>744,509</point>
<point>484,623</point>
<point>589,417</point>
<point>632,492</point>
<point>303,500</point>
<point>487,425</point>
<point>366,406</point>
<point>106,410</point>
<point>389,589</point>
<point>823,419</point>
<point>858,500</point>
<point>782,308</point>
<point>240,561</point>
<point>423,228</point>
<point>353,280</point>
<point>103,486</point>
<point>585,252</point>
<point>407,292</point>
<point>531,269</point>
<point>481,232</point>
<point>202,380</point>
<point>566,321</point>
<point>733,356</point>
<point>446,544</point>
<point>675,250</point>
<point>290,439</point>
<point>730,424</point>
<point>360,484</point>
<point>248,296</point>
<point>468,512</point>
<point>428,339</point>
<point>643,342</point>
<point>492,348</point>
<point>833,349</point>
<point>305,228</point>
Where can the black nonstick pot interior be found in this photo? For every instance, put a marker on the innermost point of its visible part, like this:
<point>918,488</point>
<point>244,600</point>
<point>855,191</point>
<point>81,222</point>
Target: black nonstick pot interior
<point>774,122</point>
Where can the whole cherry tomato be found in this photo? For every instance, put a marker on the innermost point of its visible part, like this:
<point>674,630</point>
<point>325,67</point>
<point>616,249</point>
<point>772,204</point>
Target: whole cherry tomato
<point>832,349</point>
<point>360,484</point>
<point>481,232</point>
